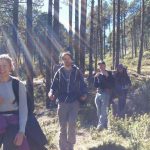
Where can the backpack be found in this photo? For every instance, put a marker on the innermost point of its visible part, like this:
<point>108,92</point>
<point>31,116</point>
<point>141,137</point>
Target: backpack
<point>34,132</point>
<point>30,101</point>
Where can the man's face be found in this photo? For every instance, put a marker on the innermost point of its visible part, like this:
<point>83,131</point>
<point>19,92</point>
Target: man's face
<point>120,70</point>
<point>102,67</point>
<point>67,60</point>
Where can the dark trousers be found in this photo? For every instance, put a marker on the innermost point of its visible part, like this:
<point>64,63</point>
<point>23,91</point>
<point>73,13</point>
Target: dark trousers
<point>122,103</point>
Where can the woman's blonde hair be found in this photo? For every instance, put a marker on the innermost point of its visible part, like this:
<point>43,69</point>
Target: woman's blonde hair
<point>8,59</point>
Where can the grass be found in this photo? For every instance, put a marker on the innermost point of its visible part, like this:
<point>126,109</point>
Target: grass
<point>132,133</point>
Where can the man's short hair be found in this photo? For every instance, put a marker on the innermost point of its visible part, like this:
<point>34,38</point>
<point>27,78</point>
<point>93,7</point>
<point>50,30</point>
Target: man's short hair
<point>66,53</point>
<point>101,62</point>
<point>120,66</point>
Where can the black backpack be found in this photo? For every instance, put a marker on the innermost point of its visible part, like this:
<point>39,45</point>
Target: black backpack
<point>34,132</point>
<point>30,102</point>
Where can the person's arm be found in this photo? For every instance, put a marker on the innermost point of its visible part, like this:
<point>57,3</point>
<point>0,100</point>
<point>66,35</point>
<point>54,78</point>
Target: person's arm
<point>129,80</point>
<point>54,86</point>
<point>111,79</point>
<point>96,81</point>
<point>83,85</point>
<point>23,109</point>
<point>23,114</point>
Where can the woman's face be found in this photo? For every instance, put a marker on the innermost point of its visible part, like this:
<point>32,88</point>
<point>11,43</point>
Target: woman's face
<point>5,67</point>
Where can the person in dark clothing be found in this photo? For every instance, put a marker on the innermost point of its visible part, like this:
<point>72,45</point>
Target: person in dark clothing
<point>122,84</point>
<point>104,83</point>
<point>68,87</point>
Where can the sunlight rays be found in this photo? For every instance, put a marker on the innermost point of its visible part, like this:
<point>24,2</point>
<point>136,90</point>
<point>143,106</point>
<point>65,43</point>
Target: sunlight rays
<point>10,47</point>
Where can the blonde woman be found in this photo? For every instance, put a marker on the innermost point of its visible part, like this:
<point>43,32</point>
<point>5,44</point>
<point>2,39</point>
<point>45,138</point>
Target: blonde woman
<point>13,116</point>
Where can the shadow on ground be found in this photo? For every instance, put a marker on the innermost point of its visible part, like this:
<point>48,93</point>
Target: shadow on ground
<point>108,146</point>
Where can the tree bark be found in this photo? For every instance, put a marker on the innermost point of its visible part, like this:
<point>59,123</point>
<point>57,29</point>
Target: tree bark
<point>48,54</point>
<point>15,30</point>
<point>104,42</point>
<point>70,26</point>
<point>100,6</point>
<point>114,34</point>
<point>83,42</point>
<point>141,38</point>
<point>125,46</point>
<point>91,40</point>
<point>76,39</point>
<point>118,35</point>
<point>56,32</point>
<point>29,52</point>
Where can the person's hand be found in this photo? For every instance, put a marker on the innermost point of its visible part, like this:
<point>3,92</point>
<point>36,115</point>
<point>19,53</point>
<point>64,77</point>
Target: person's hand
<point>1,100</point>
<point>97,74</point>
<point>83,98</point>
<point>97,90</point>
<point>105,73</point>
<point>51,96</point>
<point>19,138</point>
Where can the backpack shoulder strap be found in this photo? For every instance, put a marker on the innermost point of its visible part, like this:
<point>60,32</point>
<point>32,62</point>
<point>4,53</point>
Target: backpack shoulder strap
<point>110,73</point>
<point>15,87</point>
<point>77,72</point>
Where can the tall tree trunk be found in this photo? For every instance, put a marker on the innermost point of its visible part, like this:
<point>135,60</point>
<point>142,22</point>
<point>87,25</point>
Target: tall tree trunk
<point>99,29</point>
<point>122,39</point>
<point>125,46</point>
<point>56,26</point>
<point>96,48</point>
<point>100,5</point>
<point>110,44</point>
<point>76,39</point>
<point>98,41</point>
<point>15,30</point>
<point>29,54</point>
<point>83,42</point>
<point>70,26</point>
<point>114,34</point>
<point>118,35</point>
<point>132,42</point>
<point>91,40</point>
<point>48,54</point>
<point>135,38</point>
<point>141,38</point>
<point>104,40</point>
